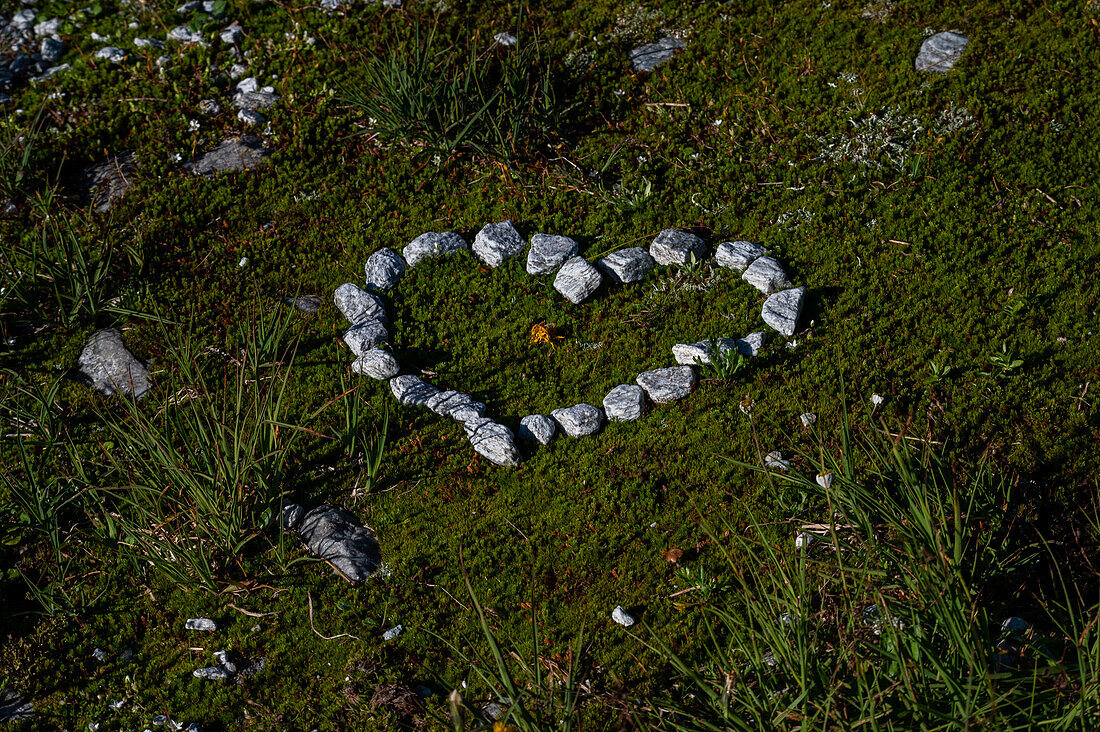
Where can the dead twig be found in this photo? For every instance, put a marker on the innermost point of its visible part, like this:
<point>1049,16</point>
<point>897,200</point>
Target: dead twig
<point>314,629</point>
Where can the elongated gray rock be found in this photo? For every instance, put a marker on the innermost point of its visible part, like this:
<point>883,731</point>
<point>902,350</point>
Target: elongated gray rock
<point>941,51</point>
<point>234,154</point>
<point>377,364</point>
<point>108,366</point>
<point>111,54</point>
<point>577,280</point>
<point>497,243</point>
<point>537,427</point>
<point>412,390</point>
<point>460,407</point>
<point>185,35</point>
<point>365,335</point>
<point>782,309</point>
<point>579,420</point>
<point>751,344</point>
<point>384,269</point>
<point>433,244</point>
<point>358,305</point>
<point>211,673</point>
<point>548,252</point>
<point>335,535</point>
<point>652,55</point>
<point>738,255</point>
<point>626,265</point>
<point>493,441</point>
<point>766,274</point>
<point>690,354</point>
<point>673,246</point>
<point>667,385</point>
<point>624,403</point>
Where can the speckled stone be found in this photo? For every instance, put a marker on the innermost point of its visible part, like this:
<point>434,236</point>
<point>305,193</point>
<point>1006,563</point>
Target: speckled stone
<point>766,274</point>
<point>412,390</point>
<point>433,244</point>
<point>577,280</point>
<point>109,367</point>
<point>673,246</point>
<point>548,252</point>
<point>537,427</point>
<point>781,310</point>
<point>493,441</point>
<point>384,269</point>
<point>941,51</point>
<point>358,305</point>
<point>377,364</point>
<point>738,255</point>
<point>365,335</point>
<point>335,535</point>
<point>624,403</point>
<point>667,385</point>
<point>579,420</point>
<point>495,244</point>
<point>626,266</point>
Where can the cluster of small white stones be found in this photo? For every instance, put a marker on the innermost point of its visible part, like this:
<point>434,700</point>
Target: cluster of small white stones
<point>576,279</point>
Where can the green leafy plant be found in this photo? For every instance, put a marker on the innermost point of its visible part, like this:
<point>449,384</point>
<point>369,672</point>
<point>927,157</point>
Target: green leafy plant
<point>1006,359</point>
<point>725,363</point>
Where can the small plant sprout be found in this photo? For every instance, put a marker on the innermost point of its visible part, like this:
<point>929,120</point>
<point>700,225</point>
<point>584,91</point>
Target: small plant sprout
<point>938,372</point>
<point>1006,359</point>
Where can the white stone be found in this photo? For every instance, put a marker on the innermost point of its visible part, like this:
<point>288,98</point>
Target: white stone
<point>579,420</point>
<point>667,385</point>
<point>775,461</point>
<point>621,617</point>
<point>365,335</point>
<point>807,418</point>
<point>537,427</point>
<point>738,255</point>
<point>782,309</point>
<point>358,305</point>
<point>203,624</point>
<point>393,632</point>
<point>432,244</point>
<point>111,54</point>
<point>751,344</point>
<point>701,353</point>
<point>766,274</point>
<point>626,266</point>
<point>548,252</point>
<point>412,390</point>
<point>384,269</point>
<point>624,403</point>
<point>673,246</point>
<point>825,480</point>
<point>940,52</point>
<point>577,280</point>
<point>377,364</point>
<point>493,441</point>
<point>497,243</point>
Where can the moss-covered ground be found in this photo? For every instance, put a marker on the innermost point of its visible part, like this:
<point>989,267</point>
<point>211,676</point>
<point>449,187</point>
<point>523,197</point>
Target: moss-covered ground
<point>944,224</point>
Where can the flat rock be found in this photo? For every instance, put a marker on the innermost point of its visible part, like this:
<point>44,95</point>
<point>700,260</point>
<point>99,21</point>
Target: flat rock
<point>738,255</point>
<point>456,405</point>
<point>667,385</point>
<point>205,625</point>
<point>335,535</point>
<point>751,344</point>
<point>211,673</point>
<point>109,367</point>
<point>548,252</point>
<point>365,335</point>
<point>384,269</point>
<point>673,246</point>
<point>579,420</point>
<point>941,51</point>
<point>691,354</point>
<point>537,427</point>
<point>433,244</point>
<point>261,99</point>
<point>236,153</point>
<point>13,707</point>
<point>766,274</point>
<point>108,180</point>
<point>652,55</point>
<point>251,118</point>
<point>782,309</point>
<point>186,36</point>
<point>577,280</point>
<point>358,305</point>
<point>497,243</point>
<point>412,390</point>
<point>377,364</point>
<point>626,265</point>
<point>493,441</point>
<point>624,403</point>
<point>775,461</point>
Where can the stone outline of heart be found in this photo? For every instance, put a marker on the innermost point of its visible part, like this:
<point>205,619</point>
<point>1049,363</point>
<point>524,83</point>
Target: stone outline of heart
<point>498,243</point>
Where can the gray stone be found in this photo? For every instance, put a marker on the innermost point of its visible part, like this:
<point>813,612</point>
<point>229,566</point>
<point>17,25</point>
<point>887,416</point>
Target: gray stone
<point>108,180</point>
<point>667,385</point>
<point>335,535</point>
<point>579,420</point>
<point>775,461</point>
<point>292,516</point>
<point>493,442</point>
<point>51,50</point>
<point>807,418</point>
<point>412,390</point>
<point>232,34</point>
<point>577,280</point>
<point>622,617</point>
<point>782,309</point>
<point>149,43</point>
<point>210,107</point>
<point>236,153</point>
<point>109,367</point>
<point>202,624</point>
<point>626,265</point>
<point>12,706</point>
<point>393,632</point>
<point>738,255</point>
<point>365,335</point>
<point>766,274</point>
<point>48,28</point>
<point>505,39</point>
<point>537,427</point>
<point>377,364</point>
<point>24,19</point>
<point>624,403</point>
<point>548,252</point>
<point>652,55</point>
<point>460,407</point>
<point>51,72</point>
<point>751,344</point>
<point>497,243</point>
<point>358,305</point>
<point>185,35</point>
<point>211,673</point>
<point>248,85</point>
<point>691,354</point>
<point>673,246</point>
<point>111,54</point>
<point>433,244</point>
<point>262,99</point>
<point>250,118</point>
<point>941,51</point>
<point>384,269</point>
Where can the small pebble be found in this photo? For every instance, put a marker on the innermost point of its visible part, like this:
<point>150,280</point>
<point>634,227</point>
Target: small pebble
<point>392,633</point>
<point>201,624</point>
<point>808,419</point>
<point>621,617</point>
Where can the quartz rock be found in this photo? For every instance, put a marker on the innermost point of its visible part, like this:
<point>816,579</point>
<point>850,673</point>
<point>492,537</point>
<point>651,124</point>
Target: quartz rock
<point>548,252</point>
<point>673,246</point>
<point>377,364</point>
<point>335,535</point>
<point>149,43</point>
<point>236,153</point>
<point>537,427</point>
<point>433,244</point>
<point>577,280</point>
<point>493,441</point>
<point>412,390</point>
<point>621,617</point>
<point>497,243</point>
<point>203,624</point>
<point>232,35</point>
<point>111,54</point>
<point>48,28</point>
<point>738,255</point>
<point>691,354</point>
<point>807,418</point>
<point>579,420</point>
<point>775,461</point>
<point>358,305</point>
<point>185,35</point>
<point>109,367</point>
<point>626,265</point>
<point>456,405</point>
<point>393,632</point>
<point>782,309</point>
<point>941,51</point>
<point>751,344</point>
<point>250,118</point>
<point>652,55</point>
<point>51,50</point>
<point>667,385</point>
<point>384,269</point>
<point>365,335</point>
<point>211,673</point>
<point>24,19</point>
<point>766,274</point>
<point>624,403</point>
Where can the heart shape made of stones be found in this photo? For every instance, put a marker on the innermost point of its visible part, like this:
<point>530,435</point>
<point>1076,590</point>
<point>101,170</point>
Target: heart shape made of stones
<point>576,279</point>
